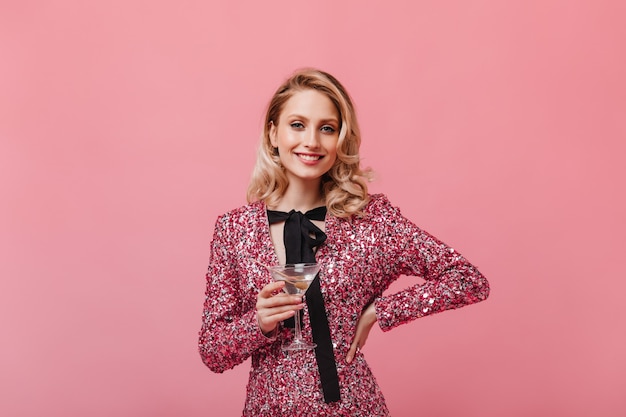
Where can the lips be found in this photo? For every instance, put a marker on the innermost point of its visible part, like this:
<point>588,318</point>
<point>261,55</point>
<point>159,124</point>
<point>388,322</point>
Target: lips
<point>309,157</point>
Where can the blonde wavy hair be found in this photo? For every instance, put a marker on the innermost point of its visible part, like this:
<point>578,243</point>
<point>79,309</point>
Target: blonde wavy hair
<point>344,186</point>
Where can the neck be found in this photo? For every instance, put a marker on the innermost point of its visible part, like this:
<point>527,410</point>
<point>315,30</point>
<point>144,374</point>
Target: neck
<point>301,196</point>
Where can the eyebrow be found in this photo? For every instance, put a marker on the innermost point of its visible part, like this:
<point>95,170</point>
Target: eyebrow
<point>299,116</point>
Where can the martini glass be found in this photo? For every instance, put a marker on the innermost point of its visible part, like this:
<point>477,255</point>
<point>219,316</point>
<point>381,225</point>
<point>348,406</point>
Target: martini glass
<point>297,279</point>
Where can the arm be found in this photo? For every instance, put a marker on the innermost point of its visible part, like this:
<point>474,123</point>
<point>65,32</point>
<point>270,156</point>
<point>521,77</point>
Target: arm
<point>230,332</point>
<point>451,281</point>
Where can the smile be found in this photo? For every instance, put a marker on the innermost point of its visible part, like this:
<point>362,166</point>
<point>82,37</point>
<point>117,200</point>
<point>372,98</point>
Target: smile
<point>307,157</point>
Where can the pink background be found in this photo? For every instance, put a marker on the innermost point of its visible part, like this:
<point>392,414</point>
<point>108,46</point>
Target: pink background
<point>127,127</point>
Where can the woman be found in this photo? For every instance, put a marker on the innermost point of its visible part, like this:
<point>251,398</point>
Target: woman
<point>308,162</point>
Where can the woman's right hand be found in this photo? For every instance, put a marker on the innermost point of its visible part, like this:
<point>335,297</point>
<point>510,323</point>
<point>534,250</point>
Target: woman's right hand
<point>274,306</point>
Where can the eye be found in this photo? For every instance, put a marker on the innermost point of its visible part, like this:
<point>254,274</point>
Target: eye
<point>297,125</point>
<point>328,129</point>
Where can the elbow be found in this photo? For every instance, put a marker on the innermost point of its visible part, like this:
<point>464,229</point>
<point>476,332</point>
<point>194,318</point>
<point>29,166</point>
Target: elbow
<point>481,288</point>
<point>211,359</point>
<point>210,353</point>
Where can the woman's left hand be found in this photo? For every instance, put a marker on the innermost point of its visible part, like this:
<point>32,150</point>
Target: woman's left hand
<point>363,327</point>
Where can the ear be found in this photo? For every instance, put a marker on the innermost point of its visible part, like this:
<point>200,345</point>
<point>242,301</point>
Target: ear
<point>273,139</point>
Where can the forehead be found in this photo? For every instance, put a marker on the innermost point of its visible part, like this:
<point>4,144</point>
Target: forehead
<point>311,104</point>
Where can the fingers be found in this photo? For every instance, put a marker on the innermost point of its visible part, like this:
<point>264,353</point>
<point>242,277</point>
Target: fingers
<point>355,346</point>
<point>363,327</point>
<point>354,349</point>
<point>268,318</point>
<point>357,343</point>
<point>271,296</point>
<point>278,301</point>
<point>265,299</point>
<point>272,308</point>
<point>271,288</point>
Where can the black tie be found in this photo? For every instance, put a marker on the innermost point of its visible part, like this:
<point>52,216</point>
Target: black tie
<point>301,236</point>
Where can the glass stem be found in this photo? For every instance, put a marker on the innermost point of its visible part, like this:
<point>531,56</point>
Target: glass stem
<point>297,336</point>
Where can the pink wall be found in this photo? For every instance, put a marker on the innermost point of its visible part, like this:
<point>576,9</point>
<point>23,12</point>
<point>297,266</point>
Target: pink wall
<point>127,127</point>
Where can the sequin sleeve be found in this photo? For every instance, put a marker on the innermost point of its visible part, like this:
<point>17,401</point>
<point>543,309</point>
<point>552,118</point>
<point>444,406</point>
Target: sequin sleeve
<point>450,280</point>
<point>230,332</point>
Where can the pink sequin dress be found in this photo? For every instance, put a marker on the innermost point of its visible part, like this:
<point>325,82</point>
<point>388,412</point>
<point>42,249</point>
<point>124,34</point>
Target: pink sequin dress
<point>360,258</point>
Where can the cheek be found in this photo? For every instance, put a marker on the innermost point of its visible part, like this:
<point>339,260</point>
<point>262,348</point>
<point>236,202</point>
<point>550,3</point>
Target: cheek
<point>286,139</point>
<point>332,147</point>
<point>332,156</point>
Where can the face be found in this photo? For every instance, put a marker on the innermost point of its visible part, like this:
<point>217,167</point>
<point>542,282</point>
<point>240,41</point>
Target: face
<point>306,135</point>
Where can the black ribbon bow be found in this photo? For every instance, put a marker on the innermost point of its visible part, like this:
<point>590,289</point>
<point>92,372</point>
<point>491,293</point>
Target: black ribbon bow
<point>301,236</point>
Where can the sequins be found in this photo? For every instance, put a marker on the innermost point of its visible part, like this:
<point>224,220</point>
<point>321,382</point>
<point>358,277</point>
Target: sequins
<point>360,259</point>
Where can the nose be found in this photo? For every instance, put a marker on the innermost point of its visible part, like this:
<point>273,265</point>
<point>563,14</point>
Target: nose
<point>312,139</point>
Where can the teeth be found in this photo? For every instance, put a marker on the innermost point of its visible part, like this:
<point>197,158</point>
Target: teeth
<point>309,157</point>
